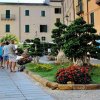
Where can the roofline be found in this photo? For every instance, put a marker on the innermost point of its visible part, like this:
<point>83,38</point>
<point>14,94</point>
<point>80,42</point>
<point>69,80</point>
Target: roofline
<point>55,1</point>
<point>18,3</point>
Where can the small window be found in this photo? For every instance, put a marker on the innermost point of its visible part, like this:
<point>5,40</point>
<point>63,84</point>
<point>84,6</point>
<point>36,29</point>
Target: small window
<point>43,28</point>
<point>57,10</point>
<point>42,13</point>
<point>7,13</point>
<point>57,20</point>
<point>43,38</point>
<point>7,28</point>
<point>27,28</point>
<point>92,18</point>
<point>26,12</point>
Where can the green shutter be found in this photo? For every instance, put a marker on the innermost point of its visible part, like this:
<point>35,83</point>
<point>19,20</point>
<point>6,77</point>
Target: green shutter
<point>42,13</point>
<point>45,28</point>
<point>26,12</point>
<point>7,28</point>
<point>26,28</point>
<point>7,13</point>
<point>92,18</point>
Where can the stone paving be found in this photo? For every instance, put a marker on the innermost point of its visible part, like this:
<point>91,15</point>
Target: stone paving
<point>18,86</point>
<point>75,94</point>
<point>44,59</point>
<point>94,61</point>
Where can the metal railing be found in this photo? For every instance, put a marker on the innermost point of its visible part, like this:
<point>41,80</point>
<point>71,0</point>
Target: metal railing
<point>5,17</point>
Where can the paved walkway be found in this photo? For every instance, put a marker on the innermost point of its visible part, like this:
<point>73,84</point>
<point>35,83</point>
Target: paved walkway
<point>45,60</point>
<point>18,86</point>
<point>75,94</point>
<point>94,61</point>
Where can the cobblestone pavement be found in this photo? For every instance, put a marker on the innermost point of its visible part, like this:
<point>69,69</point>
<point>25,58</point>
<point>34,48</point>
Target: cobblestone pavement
<point>18,86</point>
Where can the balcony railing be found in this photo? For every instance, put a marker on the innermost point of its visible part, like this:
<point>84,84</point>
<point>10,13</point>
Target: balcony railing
<point>5,17</point>
<point>79,8</point>
<point>98,2</point>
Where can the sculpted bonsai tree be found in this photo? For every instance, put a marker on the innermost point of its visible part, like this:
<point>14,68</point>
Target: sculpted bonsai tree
<point>80,41</point>
<point>57,35</point>
<point>36,49</point>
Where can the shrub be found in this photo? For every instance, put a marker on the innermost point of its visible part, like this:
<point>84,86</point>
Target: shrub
<point>76,74</point>
<point>42,67</point>
<point>19,51</point>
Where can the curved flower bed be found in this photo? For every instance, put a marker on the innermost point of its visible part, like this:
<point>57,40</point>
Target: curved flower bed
<point>74,73</point>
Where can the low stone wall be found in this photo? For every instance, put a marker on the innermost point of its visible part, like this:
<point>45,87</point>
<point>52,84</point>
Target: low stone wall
<point>54,85</point>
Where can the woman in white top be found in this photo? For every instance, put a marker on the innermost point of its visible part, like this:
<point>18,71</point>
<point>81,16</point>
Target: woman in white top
<point>12,56</point>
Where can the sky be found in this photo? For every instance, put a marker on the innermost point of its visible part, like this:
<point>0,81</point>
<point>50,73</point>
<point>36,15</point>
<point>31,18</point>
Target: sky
<point>24,1</point>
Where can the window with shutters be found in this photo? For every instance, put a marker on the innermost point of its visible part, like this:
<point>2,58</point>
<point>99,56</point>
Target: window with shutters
<point>27,28</point>
<point>7,28</point>
<point>26,12</point>
<point>92,18</point>
<point>43,13</point>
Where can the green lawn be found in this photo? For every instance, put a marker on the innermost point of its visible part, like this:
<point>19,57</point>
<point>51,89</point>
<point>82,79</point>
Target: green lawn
<point>95,74</point>
<point>50,75</point>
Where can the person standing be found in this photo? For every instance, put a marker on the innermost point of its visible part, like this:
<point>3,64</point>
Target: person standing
<point>12,56</point>
<point>5,54</point>
<point>1,55</point>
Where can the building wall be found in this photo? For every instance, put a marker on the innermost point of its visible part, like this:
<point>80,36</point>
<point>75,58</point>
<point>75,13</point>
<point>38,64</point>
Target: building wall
<point>88,8</point>
<point>34,20</point>
<point>69,11</point>
<point>93,7</point>
<point>14,23</point>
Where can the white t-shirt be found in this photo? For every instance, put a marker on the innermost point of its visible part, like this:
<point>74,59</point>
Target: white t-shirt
<point>5,50</point>
<point>11,49</point>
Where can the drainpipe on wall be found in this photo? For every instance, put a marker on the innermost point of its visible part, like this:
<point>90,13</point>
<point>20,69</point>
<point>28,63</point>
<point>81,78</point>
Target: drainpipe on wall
<point>74,9</point>
<point>87,12</point>
<point>19,23</point>
<point>63,10</point>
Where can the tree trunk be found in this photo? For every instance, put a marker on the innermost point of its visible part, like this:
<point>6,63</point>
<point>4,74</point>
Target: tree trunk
<point>77,61</point>
<point>36,59</point>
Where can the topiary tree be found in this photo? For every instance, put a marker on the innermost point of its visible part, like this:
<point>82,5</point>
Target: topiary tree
<point>80,41</point>
<point>57,35</point>
<point>35,49</point>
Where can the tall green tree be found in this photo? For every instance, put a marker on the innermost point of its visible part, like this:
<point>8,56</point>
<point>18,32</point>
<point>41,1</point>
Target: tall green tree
<point>80,41</point>
<point>57,34</point>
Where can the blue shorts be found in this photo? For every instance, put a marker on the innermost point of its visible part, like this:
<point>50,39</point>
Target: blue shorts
<point>1,58</point>
<point>6,58</point>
